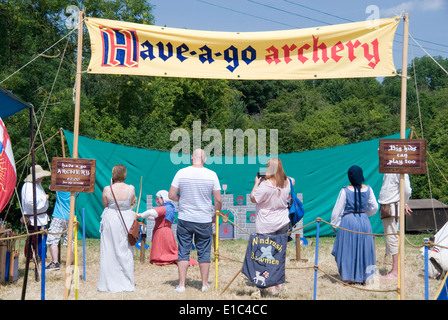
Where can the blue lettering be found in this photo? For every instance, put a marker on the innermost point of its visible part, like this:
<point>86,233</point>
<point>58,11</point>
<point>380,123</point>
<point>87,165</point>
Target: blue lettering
<point>207,56</point>
<point>231,55</point>
<point>251,51</point>
<point>180,51</point>
<point>162,54</point>
<point>149,52</point>
<point>183,52</point>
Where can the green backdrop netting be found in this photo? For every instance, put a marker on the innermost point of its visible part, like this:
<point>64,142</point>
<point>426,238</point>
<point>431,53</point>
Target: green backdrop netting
<point>319,174</point>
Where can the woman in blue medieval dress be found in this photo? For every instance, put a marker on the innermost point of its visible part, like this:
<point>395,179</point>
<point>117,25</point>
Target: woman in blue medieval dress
<point>354,246</point>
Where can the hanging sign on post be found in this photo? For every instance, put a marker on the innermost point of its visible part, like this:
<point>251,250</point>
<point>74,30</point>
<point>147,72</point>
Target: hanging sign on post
<point>402,156</point>
<point>75,175</point>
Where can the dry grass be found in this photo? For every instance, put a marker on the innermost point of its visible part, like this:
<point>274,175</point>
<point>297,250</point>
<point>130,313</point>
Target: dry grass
<point>157,283</point>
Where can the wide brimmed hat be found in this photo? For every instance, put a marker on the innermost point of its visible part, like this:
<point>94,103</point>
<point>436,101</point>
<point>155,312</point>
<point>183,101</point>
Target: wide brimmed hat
<point>40,173</point>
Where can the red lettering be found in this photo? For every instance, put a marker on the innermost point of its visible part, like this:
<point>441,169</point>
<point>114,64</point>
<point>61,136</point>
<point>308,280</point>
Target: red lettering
<point>351,49</point>
<point>114,46</point>
<point>287,51</point>
<point>375,55</point>
<point>335,49</point>
<point>321,51</point>
<point>300,53</point>
<point>322,47</point>
<point>272,57</point>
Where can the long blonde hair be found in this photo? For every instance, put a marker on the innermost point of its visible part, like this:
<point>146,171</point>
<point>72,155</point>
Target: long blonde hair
<point>274,169</point>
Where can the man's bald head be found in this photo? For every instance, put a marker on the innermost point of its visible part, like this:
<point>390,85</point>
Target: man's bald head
<point>198,157</point>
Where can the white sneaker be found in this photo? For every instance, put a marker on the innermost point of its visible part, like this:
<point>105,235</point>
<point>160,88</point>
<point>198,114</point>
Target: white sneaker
<point>179,289</point>
<point>205,288</point>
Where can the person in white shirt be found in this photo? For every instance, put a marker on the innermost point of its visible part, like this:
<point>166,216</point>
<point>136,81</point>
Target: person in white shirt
<point>193,188</point>
<point>390,196</point>
<point>41,205</point>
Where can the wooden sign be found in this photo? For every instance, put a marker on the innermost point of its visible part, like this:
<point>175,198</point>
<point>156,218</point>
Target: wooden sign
<point>75,175</point>
<point>402,156</point>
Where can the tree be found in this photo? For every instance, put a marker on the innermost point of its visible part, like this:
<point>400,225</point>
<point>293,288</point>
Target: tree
<point>46,81</point>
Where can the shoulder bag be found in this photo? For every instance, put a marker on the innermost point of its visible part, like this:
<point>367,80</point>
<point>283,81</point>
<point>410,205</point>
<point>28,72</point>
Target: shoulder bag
<point>134,232</point>
<point>295,207</point>
<point>386,211</point>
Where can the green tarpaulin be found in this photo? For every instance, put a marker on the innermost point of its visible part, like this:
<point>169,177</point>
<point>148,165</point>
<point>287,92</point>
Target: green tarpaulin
<point>319,174</point>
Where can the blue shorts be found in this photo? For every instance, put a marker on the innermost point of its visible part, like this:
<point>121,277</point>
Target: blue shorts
<point>202,234</point>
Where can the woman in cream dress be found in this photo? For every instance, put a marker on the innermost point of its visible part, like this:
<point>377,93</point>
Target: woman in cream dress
<point>116,273</point>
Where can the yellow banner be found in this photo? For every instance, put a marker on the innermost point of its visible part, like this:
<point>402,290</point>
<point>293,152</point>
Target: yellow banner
<point>340,51</point>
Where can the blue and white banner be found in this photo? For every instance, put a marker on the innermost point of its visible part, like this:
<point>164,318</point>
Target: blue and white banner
<point>264,263</point>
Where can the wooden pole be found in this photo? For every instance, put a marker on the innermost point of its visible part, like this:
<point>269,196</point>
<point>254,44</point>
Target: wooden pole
<point>62,143</point>
<point>142,234</point>
<point>76,258</point>
<point>404,75</point>
<point>63,155</point>
<point>234,277</point>
<point>298,256</point>
<point>75,153</point>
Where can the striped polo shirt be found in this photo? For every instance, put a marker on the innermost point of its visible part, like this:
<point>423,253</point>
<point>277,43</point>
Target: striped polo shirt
<point>195,188</point>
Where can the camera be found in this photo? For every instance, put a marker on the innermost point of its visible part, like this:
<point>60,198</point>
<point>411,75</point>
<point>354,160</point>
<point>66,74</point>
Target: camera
<point>261,175</point>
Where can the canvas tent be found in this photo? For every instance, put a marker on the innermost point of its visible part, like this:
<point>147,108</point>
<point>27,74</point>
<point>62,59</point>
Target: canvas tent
<point>439,261</point>
<point>438,255</point>
<point>319,174</point>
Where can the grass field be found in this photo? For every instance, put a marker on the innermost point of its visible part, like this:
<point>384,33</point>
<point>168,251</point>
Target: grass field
<point>158,282</point>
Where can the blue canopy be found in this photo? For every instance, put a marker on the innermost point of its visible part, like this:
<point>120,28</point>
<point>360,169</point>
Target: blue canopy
<point>10,104</point>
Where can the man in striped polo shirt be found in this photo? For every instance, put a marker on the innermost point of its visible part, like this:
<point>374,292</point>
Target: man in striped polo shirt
<point>193,188</point>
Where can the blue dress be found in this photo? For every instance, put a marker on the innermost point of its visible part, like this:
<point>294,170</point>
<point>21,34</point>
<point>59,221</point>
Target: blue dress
<point>354,252</point>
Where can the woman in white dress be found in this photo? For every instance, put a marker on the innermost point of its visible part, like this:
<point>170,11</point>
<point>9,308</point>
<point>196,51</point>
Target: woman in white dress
<point>116,273</point>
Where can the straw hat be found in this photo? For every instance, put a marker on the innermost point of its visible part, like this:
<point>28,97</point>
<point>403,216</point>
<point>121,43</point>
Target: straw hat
<point>40,173</point>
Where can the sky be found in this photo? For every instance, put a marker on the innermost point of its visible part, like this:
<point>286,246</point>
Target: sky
<point>428,19</point>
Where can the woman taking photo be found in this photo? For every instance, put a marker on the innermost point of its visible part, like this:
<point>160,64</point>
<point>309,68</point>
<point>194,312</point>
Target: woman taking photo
<point>272,215</point>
